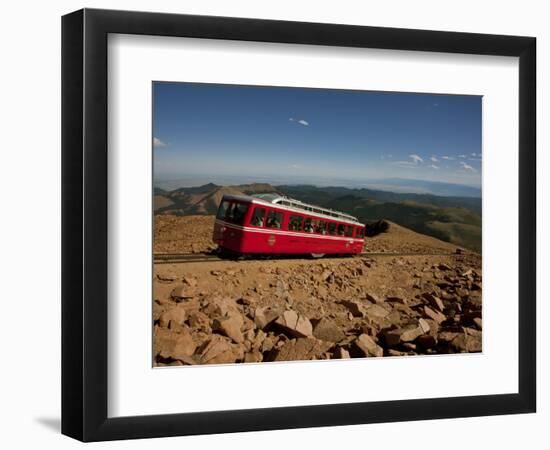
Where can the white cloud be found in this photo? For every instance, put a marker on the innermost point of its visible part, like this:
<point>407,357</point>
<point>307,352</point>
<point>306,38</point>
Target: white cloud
<point>409,164</point>
<point>433,166</point>
<point>416,159</point>
<point>467,167</point>
<point>434,159</point>
<point>157,143</point>
<point>295,166</point>
<point>448,158</point>
<point>303,122</point>
<point>462,156</point>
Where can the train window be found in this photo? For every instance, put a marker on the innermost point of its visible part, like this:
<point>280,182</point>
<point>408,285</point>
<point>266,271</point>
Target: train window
<point>360,232</point>
<point>258,217</point>
<point>340,229</point>
<point>236,212</point>
<point>321,227</point>
<point>349,231</point>
<point>274,219</point>
<point>308,225</point>
<point>295,223</point>
<point>331,228</point>
<point>222,210</point>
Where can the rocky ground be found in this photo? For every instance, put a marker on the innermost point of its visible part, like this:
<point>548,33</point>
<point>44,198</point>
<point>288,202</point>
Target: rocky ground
<point>300,309</point>
<point>189,234</point>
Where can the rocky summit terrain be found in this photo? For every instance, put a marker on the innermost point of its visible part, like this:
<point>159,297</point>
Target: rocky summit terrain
<point>225,311</point>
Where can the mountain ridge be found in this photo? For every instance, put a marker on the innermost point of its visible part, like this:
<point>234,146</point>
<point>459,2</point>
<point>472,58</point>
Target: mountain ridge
<point>451,219</point>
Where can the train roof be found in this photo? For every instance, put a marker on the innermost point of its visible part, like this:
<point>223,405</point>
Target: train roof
<point>294,205</point>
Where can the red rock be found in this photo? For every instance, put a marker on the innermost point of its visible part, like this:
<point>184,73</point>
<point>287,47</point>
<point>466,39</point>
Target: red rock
<point>253,357</point>
<point>327,330</point>
<point>395,299</point>
<point>264,316</point>
<point>424,326</point>
<point>377,311</point>
<point>301,349</point>
<point>434,301</point>
<point>400,335</point>
<point>368,346</point>
<point>466,343</point>
<point>230,326</point>
<point>477,321</point>
<point>341,353</point>
<point>174,345</point>
<point>175,315</point>
<point>219,350</point>
<point>434,315</point>
<point>355,308</point>
<point>200,320</point>
<point>426,341</point>
<point>295,324</point>
<point>183,292</point>
<point>374,298</point>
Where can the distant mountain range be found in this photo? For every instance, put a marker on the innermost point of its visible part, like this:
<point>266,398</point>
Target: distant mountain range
<point>455,219</point>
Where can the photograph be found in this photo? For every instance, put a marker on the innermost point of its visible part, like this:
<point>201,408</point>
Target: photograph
<point>296,224</point>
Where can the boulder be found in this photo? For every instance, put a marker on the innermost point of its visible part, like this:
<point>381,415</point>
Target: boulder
<point>368,346</point>
<point>356,309</point>
<point>376,311</point>
<point>434,301</point>
<point>426,341</point>
<point>253,357</point>
<point>340,353</point>
<point>220,307</point>
<point>199,320</point>
<point>396,299</point>
<point>295,324</point>
<point>478,323</point>
<point>424,325</point>
<point>174,345</point>
<point>182,292</point>
<point>446,337</point>
<point>400,335</point>
<point>301,349</point>
<point>173,316</point>
<point>374,298</point>
<point>265,315</point>
<point>166,277</point>
<point>230,326</point>
<point>327,330</point>
<point>434,315</point>
<point>466,343</point>
<point>219,350</point>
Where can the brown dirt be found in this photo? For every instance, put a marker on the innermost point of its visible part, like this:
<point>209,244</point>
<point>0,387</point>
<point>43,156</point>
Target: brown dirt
<point>252,310</point>
<point>189,234</point>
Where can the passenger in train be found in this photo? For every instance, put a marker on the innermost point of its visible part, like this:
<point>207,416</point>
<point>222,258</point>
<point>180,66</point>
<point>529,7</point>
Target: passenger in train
<point>257,221</point>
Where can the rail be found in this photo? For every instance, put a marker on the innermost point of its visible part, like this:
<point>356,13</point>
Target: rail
<point>177,258</point>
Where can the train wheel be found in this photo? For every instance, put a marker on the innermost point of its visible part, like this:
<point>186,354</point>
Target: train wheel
<point>317,255</point>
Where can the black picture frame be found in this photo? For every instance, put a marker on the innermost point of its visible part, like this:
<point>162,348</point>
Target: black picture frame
<point>84,224</point>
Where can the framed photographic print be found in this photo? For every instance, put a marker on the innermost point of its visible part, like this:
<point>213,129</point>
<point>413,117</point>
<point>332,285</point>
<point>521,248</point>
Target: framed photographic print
<point>273,224</point>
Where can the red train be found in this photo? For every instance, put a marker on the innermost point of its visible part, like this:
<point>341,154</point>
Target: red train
<point>273,224</point>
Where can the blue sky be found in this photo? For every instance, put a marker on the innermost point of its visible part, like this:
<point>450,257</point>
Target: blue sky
<point>217,132</point>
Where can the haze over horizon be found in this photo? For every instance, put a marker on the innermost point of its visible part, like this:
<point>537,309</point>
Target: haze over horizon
<point>292,135</point>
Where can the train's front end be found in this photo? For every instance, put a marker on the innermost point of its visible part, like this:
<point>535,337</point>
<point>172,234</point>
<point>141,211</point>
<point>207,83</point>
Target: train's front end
<point>228,228</point>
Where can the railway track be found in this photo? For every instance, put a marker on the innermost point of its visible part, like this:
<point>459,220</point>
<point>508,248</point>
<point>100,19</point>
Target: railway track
<point>177,258</point>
